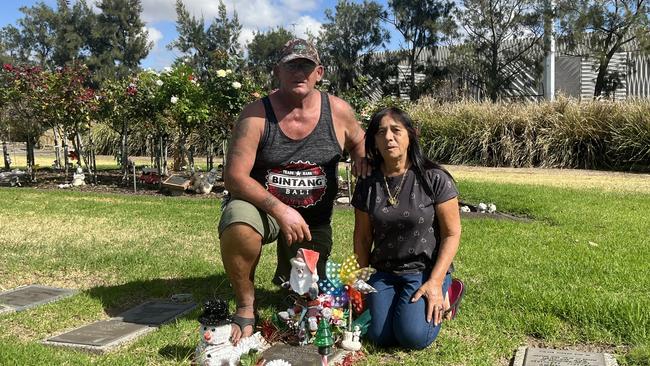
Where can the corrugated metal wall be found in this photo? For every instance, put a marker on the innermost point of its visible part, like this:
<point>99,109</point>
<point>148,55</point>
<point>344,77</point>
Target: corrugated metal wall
<point>575,76</point>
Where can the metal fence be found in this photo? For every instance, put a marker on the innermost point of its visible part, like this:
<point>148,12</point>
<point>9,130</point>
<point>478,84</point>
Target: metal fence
<point>575,76</point>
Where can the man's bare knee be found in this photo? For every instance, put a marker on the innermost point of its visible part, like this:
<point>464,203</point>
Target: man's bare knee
<point>241,239</point>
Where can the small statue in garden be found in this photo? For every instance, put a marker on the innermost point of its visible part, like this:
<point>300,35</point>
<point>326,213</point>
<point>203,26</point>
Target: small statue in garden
<point>203,183</point>
<point>79,178</point>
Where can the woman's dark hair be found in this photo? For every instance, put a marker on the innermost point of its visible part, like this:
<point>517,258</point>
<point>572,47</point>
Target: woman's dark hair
<point>419,162</point>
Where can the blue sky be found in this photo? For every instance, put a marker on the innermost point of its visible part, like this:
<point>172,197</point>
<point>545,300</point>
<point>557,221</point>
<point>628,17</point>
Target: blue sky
<point>160,16</point>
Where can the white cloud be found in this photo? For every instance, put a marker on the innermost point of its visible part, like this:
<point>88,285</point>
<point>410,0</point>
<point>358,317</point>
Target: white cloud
<point>300,5</point>
<point>154,36</point>
<point>246,36</point>
<point>253,14</point>
<point>306,24</point>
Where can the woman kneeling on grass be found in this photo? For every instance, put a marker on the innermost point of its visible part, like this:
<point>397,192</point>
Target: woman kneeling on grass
<point>407,227</point>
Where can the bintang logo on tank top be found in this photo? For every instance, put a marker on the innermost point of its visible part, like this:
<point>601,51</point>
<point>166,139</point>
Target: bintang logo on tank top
<point>298,184</point>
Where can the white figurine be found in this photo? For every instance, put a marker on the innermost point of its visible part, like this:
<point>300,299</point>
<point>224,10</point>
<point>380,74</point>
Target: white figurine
<point>215,348</point>
<point>351,340</point>
<point>78,178</point>
<point>303,278</point>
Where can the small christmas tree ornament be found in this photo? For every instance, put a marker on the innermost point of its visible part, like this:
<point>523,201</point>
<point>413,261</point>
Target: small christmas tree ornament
<point>324,340</point>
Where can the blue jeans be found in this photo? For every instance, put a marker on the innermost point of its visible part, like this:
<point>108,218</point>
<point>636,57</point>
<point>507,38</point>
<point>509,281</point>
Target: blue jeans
<point>396,321</point>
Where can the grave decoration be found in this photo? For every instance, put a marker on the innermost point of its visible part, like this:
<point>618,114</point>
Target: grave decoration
<point>79,178</point>
<point>149,176</point>
<point>13,177</point>
<point>202,183</point>
<point>332,303</point>
<point>215,348</point>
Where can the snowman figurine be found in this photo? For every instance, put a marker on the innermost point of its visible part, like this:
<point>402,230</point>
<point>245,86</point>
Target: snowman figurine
<point>215,348</point>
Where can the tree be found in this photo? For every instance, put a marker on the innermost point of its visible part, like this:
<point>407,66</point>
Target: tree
<point>501,37</point>
<point>223,35</point>
<point>12,45</point>
<point>263,53</point>
<point>73,31</point>
<point>26,94</point>
<point>186,101</point>
<point>422,24</point>
<point>212,48</point>
<point>119,40</point>
<point>602,28</point>
<point>352,32</point>
<point>70,107</point>
<point>33,39</point>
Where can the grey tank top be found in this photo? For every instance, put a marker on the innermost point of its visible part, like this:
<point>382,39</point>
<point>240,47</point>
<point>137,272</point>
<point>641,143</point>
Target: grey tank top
<point>300,173</point>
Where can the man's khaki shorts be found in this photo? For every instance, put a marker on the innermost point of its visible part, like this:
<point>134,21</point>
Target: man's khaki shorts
<point>239,211</point>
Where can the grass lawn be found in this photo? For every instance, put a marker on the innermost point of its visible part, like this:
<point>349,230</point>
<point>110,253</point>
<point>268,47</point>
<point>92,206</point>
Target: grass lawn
<point>576,277</point>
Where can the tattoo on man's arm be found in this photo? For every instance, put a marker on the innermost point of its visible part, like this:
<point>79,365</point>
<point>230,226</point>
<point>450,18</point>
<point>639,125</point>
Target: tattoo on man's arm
<point>241,129</point>
<point>269,202</point>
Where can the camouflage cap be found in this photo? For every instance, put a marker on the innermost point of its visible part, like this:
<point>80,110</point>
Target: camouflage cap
<point>298,48</point>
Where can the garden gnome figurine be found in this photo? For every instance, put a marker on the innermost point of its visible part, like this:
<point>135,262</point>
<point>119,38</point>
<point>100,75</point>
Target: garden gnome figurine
<point>215,347</point>
<point>78,178</point>
<point>303,278</point>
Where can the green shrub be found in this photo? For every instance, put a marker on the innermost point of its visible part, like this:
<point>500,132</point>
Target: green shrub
<point>560,134</point>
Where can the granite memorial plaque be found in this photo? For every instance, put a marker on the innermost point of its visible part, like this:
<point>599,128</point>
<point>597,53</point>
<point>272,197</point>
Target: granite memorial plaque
<point>156,312</point>
<point>301,355</point>
<point>29,296</point>
<point>176,182</point>
<point>102,333</point>
<point>554,357</point>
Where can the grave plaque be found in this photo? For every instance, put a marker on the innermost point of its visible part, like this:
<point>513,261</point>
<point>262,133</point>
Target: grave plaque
<point>102,333</point>
<point>29,296</point>
<point>156,312</point>
<point>554,357</point>
<point>176,182</point>
<point>301,355</point>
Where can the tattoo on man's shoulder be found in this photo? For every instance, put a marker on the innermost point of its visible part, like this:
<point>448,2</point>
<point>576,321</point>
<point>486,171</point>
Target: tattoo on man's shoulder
<point>241,129</point>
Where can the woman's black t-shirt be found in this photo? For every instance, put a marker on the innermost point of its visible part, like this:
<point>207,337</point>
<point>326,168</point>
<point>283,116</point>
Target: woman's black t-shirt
<point>405,238</point>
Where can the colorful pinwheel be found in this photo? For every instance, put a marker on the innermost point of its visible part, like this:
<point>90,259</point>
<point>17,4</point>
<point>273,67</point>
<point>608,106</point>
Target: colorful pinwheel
<point>347,282</point>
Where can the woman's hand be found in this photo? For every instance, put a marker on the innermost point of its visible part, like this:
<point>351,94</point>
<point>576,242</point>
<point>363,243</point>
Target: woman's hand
<point>432,293</point>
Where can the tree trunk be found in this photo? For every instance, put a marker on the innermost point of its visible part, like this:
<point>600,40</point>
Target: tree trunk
<point>602,74</point>
<point>57,150</point>
<point>210,156</point>
<point>190,158</point>
<point>224,148</point>
<point>90,161</point>
<point>5,155</point>
<point>412,92</point>
<point>80,153</point>
<point>124,159</point>
<point>30,159</point>
<point>159,160</point>
<point>165,155</point>
<point>66,158</point>
<point>179,160</point>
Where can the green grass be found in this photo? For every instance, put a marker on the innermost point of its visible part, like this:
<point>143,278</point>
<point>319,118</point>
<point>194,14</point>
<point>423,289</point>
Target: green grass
<point>575,277</point>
